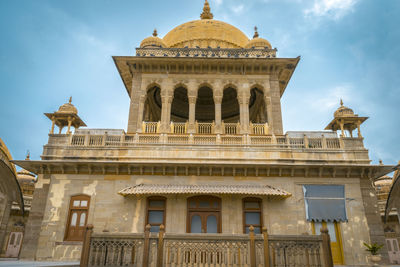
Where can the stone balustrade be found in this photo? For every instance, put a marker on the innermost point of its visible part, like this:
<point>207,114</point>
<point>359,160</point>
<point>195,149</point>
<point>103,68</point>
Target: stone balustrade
<point>179,137</point>
<point>169,249</point>
<point>206,52</point>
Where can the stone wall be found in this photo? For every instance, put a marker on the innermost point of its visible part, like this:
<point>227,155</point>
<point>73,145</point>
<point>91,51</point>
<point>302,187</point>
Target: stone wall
<point>112,212</point>
<point>35,220</point>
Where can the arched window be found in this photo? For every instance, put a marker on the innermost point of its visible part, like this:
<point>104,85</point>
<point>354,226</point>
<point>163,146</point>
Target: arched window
<point>204,214</point>
<point>77,217</point>
<point>155,215</point>
<point>252,214</point>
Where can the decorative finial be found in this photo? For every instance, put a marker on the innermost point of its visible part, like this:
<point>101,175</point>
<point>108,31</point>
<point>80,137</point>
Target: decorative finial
<point>380,162</point>
<point>341,102</point>
<point>206,11</point>
<point>255,32</point>
<point>70,99</point>
<point>155,33</point>
<point>28,155</point>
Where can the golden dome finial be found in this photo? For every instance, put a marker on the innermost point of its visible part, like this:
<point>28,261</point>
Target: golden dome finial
<point>28,155</point>
<point>255,32</point>
<point>206,11</point>
<point>155,33</point>
<point>70,99</point>
<point>341,102</point>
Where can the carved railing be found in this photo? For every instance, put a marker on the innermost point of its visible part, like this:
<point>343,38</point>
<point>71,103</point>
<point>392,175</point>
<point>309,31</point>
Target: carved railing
<point>206,52</point>
<point>205,127</point>
<point>259,128</point>
<point>179,127</point>
<point>195,250</point>
<point>150,127</point>
<point>231,128</point>
<point>271,141</point>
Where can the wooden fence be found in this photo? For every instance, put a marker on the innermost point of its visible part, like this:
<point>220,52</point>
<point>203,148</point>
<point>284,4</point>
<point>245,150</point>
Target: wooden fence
<point>205,250</point>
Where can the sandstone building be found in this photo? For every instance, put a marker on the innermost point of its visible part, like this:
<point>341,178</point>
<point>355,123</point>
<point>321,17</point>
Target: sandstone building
<point>390,218</point>
<point>204,152</point>
<point>14,198</point>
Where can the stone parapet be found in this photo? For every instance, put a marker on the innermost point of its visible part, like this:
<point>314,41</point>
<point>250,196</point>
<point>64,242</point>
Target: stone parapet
<point>206,52</point>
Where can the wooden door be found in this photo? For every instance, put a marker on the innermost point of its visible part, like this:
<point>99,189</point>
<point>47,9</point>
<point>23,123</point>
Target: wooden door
<point>204,222</point>
<point>76,226</point>
<point>336,242</point>
<point>14,244</point>
<point>393,250</point>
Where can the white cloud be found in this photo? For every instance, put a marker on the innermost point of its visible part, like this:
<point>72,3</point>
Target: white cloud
<point>237,9</point>
<point>218,2</point>
<point>331,98</point>
<point>331,8</point>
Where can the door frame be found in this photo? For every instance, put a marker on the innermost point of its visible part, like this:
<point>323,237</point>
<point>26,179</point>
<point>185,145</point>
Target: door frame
<point>338,237</point>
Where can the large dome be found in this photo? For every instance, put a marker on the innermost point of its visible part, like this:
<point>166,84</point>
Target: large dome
<point>206,33</point>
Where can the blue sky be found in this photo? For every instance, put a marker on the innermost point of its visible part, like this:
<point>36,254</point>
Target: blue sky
<point>50,50</point>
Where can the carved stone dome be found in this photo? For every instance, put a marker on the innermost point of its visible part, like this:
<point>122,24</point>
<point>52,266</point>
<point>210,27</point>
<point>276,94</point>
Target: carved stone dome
<point>206,33</point>
<point>68,108</point>
<point>25,176</point>
<point>153,41</point>
<point>343,111</point>
<point>258,43</point>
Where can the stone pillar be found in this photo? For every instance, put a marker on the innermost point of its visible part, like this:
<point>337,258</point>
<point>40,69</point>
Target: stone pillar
<point>268,111</point>
<point>166,99</point>
<point>135,93</point>
<point>244,98</point>
<point>218,93</point>
<point>36,214</point>
<point>358,129</point>
<point>140,114</point>
<point>53,122</point>
<point>341,123</point>
<point>373,217</point>
<point>192,97</point>
<point>276,112</point>
<point>69,125</point>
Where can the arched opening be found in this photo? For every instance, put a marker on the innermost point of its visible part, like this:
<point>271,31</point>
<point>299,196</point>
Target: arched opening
<point>205,109</point>
<point>180,105</point>
<point>204,214</point>
<point>152,105</point>
<point>257,111</point>
<point>230,112</point>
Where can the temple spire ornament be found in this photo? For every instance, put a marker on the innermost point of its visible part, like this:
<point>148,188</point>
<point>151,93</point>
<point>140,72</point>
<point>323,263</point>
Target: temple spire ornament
<point>255,32</point>
<point>70,100</point>
<point>341,102</point>
<point>206,11</point>
<point>155,33</point>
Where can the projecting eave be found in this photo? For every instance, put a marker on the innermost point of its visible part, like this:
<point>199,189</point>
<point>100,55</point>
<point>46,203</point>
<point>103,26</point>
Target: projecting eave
<point>313,169</point>
<point>130,65</point>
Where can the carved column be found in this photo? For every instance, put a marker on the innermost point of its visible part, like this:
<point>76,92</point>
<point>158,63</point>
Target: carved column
<point>166,99</point>
<point>341,123</point>
<point>218,94</point>
<point>268,111</point>
<point>142,100</point>
<point>244,98</point>
<point>276,112</point>
<point>70,119</point>
<point>358,129</point>
<point>53,122</point>
<point>192,97</point>
<point>135,93</point>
